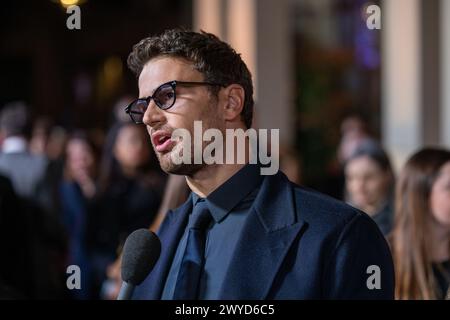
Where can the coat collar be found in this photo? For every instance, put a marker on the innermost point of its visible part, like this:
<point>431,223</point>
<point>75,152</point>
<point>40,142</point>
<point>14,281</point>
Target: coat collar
<point>266,238</point>
<point>269,231</point>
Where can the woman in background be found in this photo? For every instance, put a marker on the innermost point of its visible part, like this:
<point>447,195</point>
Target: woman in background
<point>369,184</point>
<point>175,194</point>
<point>77,190</point>
<point>129,194</point>
<point>420,239</point>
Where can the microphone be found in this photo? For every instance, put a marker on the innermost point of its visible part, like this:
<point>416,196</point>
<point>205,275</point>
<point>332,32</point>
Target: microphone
<point>140,253</point>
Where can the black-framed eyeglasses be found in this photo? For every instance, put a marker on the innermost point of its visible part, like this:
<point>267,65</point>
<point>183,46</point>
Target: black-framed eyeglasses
<point>164,97</point>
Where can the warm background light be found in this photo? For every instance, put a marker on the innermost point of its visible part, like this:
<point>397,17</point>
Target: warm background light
<point>67,3</point>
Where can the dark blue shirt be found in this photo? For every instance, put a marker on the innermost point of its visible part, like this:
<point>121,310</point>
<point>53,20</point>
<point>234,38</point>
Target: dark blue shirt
<point>229,206</point>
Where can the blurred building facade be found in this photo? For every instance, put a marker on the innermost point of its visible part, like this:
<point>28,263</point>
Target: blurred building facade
<point>410,107</point>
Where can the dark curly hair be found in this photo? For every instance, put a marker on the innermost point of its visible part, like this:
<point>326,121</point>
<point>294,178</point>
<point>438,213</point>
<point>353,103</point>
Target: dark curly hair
<point>215,59</point>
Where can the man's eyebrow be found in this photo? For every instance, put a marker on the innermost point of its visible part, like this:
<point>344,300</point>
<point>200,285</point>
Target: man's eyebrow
<point>153,92</point>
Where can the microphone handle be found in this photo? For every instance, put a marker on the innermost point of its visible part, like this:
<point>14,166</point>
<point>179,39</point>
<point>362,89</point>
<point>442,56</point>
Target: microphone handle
<point>126,291</point>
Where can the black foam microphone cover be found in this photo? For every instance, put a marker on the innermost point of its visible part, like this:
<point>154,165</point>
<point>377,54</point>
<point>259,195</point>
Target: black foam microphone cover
<point>140,254</point>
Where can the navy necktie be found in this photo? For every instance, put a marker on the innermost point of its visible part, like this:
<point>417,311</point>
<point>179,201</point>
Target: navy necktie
<point>187,285</point>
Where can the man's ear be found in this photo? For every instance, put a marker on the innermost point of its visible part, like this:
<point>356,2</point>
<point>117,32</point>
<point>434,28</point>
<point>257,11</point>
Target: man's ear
<point>234,96</point>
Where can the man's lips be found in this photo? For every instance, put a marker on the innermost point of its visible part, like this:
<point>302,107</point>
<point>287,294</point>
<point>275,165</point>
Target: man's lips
<point>162,141</point>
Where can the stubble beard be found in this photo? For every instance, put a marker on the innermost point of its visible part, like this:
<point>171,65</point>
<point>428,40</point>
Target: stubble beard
<point>189,169</point>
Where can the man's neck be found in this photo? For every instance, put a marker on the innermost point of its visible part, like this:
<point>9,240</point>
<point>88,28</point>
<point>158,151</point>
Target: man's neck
<point>211,177</point>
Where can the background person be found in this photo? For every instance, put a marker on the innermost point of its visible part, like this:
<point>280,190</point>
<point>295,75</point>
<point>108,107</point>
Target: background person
<point>370,184</point>
<point>25,170</point>
<point>129,194</point>
<point>175,194</point>
<point>77,190</point>
<point>421,236</point>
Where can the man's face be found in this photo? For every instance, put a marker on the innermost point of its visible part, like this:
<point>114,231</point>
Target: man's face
<point>192,103</point>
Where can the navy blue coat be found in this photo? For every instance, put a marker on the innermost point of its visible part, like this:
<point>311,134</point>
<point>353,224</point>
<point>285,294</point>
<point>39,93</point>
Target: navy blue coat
<point>296,244</point>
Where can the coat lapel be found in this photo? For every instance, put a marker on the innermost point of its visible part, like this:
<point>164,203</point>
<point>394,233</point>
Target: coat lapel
<point>170,234</point>
<point>265,240</point>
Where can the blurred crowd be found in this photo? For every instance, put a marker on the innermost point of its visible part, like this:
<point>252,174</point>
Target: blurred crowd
<point>412,210</point>
<point>72,197</point>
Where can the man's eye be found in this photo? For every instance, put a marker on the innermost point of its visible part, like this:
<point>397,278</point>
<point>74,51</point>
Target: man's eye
<point>169,95</point>
<point>166,95</point>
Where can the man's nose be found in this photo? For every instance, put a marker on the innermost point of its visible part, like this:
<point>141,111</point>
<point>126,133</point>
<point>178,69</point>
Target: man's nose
<point>153,115</point>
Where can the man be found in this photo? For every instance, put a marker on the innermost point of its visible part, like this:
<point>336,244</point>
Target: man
<point>241,235</point>
<point>26,171</point>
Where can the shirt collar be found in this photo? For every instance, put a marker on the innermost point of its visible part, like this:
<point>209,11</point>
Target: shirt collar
<point>226,197</point>
<point>14,145</point>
